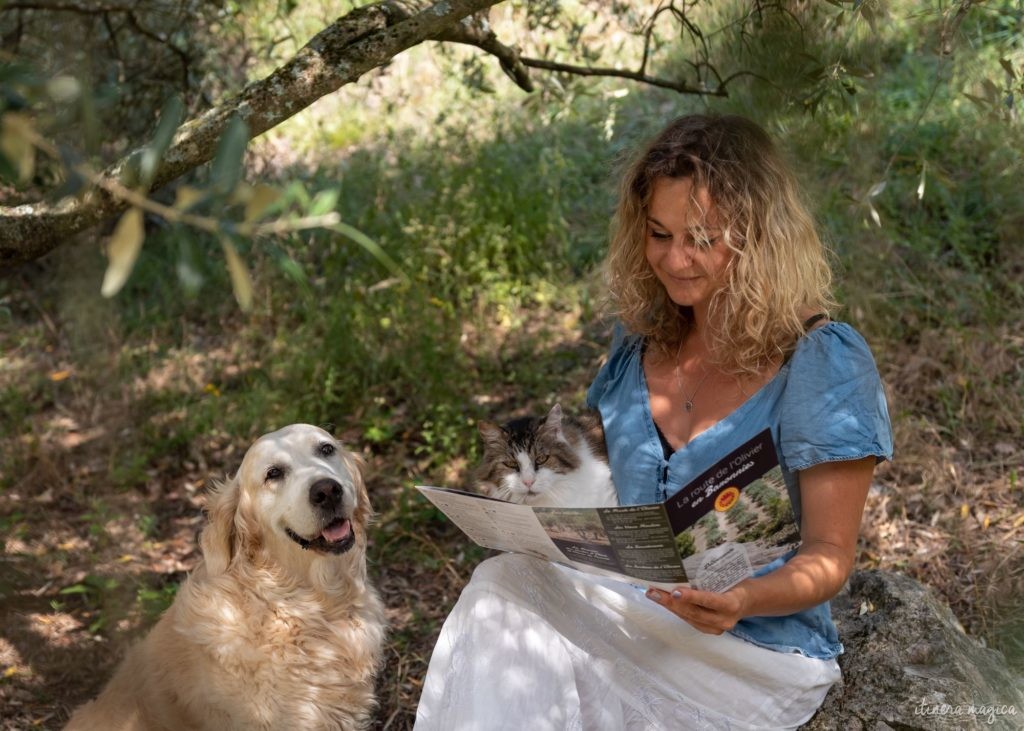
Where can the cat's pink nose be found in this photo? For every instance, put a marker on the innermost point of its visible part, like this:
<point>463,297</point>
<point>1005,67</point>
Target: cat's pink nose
<point>528,481</point>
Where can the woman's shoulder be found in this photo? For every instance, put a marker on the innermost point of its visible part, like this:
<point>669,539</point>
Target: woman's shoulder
<point>833,406</point>
<point>623,357</point>
<point>625,348</point>
<point>834,344</point>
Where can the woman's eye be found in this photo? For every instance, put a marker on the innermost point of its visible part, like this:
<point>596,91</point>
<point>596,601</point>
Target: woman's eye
<point>327,449</point>
<point>659,235</point>
<point>275,473</point>
<point>705,242</point>
<point>541,460</point>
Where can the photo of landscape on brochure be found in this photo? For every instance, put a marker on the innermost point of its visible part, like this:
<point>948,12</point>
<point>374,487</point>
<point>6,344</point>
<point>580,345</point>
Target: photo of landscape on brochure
<point>735,517</point>
<point>714,532</point>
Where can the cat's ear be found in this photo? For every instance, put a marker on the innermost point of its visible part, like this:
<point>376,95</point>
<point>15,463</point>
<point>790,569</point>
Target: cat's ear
<point>553,422</point>
<point>492,434</point>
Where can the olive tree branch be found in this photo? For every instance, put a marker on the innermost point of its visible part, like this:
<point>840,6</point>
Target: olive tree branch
<point>340,54</point>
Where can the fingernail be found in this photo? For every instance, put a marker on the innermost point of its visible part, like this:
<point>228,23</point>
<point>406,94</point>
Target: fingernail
<point>654,594</point>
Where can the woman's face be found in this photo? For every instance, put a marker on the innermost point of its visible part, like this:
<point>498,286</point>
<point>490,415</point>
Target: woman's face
<point>684,243</point>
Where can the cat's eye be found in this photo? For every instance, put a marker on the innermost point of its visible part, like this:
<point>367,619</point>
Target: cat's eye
<point>541,460</point>
<point>512,465</point>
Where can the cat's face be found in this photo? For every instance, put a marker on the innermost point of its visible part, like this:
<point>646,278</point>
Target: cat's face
<point>526,458</point>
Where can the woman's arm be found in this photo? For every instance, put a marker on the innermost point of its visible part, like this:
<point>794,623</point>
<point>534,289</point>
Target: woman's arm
<point>832,496</point>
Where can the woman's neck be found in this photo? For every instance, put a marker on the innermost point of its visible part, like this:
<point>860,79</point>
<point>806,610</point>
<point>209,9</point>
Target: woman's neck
<point>699,314</point>
<point>696,344</point>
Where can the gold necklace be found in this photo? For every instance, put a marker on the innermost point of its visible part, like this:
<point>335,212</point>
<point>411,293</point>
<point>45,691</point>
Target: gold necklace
<point>688,402</point>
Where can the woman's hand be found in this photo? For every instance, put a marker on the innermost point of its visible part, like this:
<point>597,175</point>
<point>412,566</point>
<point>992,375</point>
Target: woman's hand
<point>705,610</point>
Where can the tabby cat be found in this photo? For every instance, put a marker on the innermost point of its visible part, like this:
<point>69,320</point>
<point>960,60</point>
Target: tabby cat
<point>550,461</point>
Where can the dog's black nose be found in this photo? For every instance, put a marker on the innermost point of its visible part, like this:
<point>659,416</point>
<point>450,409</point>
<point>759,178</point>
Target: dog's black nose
<point>326,494</point>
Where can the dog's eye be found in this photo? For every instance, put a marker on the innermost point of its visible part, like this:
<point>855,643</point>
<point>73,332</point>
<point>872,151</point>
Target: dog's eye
<point>275,473</point>
<point>327,449</point>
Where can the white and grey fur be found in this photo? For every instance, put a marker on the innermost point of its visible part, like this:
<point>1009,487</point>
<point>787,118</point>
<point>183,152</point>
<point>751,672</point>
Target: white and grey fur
<point>549,461</point>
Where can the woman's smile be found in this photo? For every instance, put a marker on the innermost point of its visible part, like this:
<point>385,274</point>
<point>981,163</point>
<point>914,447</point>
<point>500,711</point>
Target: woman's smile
<point>684,245</point>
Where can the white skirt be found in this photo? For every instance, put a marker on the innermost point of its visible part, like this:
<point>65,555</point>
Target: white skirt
<point>532,645</point>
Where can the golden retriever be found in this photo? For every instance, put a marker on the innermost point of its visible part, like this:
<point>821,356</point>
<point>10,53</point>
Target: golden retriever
<point>278,627</point>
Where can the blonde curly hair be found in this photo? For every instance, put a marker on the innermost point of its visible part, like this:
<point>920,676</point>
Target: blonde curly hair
<point>779,269</point>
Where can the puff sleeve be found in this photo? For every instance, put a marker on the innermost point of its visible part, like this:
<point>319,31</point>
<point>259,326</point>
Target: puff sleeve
<point>833,407</point>
<point>613,368</point>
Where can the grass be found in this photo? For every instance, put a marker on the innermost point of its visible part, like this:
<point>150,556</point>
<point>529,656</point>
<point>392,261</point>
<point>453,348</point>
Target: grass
<point>496,211</point>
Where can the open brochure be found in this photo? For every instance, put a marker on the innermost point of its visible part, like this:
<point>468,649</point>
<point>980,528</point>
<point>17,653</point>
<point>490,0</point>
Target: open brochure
<point>712,533</point>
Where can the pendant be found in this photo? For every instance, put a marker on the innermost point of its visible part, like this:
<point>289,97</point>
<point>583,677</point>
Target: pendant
<point>688,406</point>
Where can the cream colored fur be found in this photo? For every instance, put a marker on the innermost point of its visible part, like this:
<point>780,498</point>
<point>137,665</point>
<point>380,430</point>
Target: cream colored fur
<point>263,634</point>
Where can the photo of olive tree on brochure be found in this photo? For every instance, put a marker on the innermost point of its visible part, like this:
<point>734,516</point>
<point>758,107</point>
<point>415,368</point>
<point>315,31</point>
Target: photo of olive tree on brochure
<point>735,517</point>
<point>759,516</point>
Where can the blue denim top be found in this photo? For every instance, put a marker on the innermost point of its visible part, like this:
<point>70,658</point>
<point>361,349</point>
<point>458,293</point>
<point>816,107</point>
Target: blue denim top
<point>826,404</point>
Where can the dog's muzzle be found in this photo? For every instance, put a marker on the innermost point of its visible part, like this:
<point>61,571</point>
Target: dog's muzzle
<point>327,497</point>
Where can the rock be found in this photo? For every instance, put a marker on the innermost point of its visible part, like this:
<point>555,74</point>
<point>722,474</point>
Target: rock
<point>909,665</point>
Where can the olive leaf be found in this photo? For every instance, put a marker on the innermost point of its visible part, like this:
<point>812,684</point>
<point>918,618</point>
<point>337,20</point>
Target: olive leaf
<point>241,283</point>
<point>170,119</point>
<point>16,144</point>
<point>125,244</point>
<point>263,196</point>
<point>227,162</point>
<point>186,197</point>
<point>371,246</point>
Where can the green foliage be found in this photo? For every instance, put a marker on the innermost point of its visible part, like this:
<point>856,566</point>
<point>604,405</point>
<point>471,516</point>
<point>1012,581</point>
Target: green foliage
<point>712,532</point>
<point>95,594</point>
<point>226,170</point>
<point>171,117</point>
<point>480,233</point>
<point>498,213</point>
<point>685,544</point>
<point>740,516</point>
<point>771,501</point>
<point>470,227</point>
<point>13,524</point>
<point>154,602</point>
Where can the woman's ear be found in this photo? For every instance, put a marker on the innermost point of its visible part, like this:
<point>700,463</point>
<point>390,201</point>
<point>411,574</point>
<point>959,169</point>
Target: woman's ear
<point>218,538</point>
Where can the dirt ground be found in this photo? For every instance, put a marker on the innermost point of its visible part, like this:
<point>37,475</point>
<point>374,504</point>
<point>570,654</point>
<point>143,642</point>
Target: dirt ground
<point>86,568</point>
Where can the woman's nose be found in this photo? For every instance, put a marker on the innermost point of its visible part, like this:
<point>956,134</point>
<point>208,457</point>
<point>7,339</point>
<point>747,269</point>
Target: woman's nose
<point>679,254</point>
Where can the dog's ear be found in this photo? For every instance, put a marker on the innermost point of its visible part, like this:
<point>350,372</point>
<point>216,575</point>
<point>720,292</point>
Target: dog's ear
<point>218,538</point>
<point>356,465</point>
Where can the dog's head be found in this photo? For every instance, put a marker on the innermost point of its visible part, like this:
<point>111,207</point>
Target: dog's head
<point>297,496</point>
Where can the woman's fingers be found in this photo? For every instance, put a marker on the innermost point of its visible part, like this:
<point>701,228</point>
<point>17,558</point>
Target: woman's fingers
<point>706,611</point>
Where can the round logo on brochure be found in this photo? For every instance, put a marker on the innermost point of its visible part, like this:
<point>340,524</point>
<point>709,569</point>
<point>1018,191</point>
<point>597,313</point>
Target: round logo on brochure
<point>727,498</point>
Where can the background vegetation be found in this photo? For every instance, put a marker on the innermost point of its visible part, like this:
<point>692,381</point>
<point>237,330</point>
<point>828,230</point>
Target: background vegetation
<point>115,413</point>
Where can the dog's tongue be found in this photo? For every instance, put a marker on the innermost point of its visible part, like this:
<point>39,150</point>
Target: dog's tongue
<point>337,531</point>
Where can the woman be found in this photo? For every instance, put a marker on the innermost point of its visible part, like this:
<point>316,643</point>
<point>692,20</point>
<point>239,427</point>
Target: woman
<point>722,290</point>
